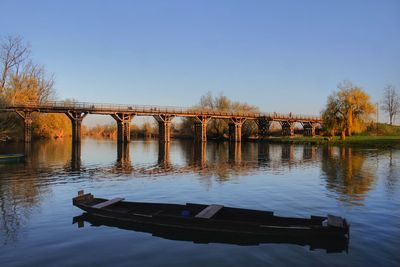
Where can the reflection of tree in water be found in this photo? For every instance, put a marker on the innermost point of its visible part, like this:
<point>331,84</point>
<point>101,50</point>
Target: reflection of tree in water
<point>21,187</point>
<point>393,172</point>
<point>19,195</point>
<point>347,173</point>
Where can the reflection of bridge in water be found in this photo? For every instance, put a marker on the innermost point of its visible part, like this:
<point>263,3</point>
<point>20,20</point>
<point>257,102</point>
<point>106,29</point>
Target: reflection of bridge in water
<point>221,159</point>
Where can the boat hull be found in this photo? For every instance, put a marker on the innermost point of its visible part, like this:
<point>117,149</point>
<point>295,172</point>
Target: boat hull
<point>228,220</point>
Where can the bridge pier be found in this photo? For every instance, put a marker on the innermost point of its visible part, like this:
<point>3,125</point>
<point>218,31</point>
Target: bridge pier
<point>123,126</point>
<point>200,128</point>
<point>76,118</point>
<point>287,128</point>
<point>309,128</point>
<point>263,127</point>
<point>164,127</point>
<point>27,117</point>
<point>235,129</point>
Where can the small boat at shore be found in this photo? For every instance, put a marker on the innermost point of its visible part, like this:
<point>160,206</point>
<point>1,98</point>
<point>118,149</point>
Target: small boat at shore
<point>212,219</point>
<point>11,157</point>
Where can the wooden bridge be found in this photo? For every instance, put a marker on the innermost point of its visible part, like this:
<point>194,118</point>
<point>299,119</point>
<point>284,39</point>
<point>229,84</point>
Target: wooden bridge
<point>123,114</point>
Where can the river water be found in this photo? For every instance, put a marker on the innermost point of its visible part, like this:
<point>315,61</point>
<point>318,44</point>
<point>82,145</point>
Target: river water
<point>36,213</point>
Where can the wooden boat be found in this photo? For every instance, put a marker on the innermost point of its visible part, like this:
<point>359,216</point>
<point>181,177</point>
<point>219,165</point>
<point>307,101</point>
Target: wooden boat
<point>212,218</point>
<point>11,157</point>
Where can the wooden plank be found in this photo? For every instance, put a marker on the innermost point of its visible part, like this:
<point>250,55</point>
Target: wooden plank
<point>107,203</point>
<point>335,221</point>
<point>208,212</point>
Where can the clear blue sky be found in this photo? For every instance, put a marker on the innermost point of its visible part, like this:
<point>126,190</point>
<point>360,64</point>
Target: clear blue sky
<point>283,56</point>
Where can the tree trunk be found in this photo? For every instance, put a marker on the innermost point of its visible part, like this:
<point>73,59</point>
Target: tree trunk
<point>350,123</point>
<point>343,136</point>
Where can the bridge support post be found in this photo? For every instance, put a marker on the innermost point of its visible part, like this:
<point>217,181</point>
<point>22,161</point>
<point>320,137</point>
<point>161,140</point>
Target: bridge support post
<point>235,129</point>
<point>263,127</point>
<point>287,128</point>
<point>27,117</point>
<point>76,118</point>
<point>164,127</point>
<point>309,128</point>
<point>200,128</point>
<point>123,126</point>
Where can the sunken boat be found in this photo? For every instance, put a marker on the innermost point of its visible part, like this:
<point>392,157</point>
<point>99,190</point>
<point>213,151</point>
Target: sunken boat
<point>214,223</point>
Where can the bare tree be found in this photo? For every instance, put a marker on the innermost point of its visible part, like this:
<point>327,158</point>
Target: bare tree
<point>13,52</point>
<point>391,102</point>
<point>45,83</point>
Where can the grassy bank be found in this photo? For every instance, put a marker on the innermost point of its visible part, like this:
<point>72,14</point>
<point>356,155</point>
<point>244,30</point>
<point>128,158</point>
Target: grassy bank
<point>367,141</point>
<point>381,135</point>
<point>370,141</point>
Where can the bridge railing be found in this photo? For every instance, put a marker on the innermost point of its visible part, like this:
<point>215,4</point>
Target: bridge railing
<point>108,107</point>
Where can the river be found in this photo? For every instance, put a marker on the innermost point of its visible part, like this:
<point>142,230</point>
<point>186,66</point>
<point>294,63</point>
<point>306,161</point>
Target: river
<point>36,213</point>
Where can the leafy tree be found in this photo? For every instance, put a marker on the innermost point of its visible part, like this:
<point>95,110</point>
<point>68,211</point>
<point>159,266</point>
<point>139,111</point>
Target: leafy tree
<point>51,125</point>
<point>347,110</point>
<point>148,129</point>
<point>21,82</point>
<point>218,128</point>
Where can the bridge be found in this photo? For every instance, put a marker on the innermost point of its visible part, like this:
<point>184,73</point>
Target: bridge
<point>123,115</point>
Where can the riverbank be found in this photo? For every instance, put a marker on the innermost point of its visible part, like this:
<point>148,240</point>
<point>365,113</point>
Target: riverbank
<point>367,141</point>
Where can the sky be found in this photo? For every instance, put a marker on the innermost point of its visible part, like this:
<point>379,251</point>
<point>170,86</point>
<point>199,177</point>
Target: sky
<point>282,56</point>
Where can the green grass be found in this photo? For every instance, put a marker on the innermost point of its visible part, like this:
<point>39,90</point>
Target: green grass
<point>357,140</point>
<point>370,141</point>
<point>377,136</point>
